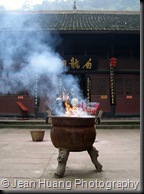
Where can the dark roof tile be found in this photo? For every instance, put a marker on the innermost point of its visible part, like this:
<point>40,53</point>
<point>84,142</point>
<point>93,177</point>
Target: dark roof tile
<point>69,21</point>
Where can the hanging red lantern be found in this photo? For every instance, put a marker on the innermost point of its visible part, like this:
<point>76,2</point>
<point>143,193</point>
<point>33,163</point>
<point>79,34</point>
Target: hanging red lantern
<point>113,62</point>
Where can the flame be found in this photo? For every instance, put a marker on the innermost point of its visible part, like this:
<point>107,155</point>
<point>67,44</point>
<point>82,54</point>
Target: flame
<point>75,109</point>
<point>70,110</point>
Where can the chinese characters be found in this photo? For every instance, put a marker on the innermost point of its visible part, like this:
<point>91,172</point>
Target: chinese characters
<point>74,63</point>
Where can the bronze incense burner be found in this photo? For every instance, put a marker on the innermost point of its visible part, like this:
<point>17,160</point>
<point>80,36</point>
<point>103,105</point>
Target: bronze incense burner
<point>72,133</point>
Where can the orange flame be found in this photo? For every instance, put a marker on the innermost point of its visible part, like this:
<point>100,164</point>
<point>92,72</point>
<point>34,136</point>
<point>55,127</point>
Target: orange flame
<point>70,110</point>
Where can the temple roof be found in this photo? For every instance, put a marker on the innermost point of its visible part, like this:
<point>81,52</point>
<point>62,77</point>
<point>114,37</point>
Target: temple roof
<point>70,21</point>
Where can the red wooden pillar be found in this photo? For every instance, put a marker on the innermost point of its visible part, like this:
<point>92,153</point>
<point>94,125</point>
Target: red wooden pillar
<point>112,63</point>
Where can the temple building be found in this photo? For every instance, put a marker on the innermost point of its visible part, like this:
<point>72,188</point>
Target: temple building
<point>100,48</point>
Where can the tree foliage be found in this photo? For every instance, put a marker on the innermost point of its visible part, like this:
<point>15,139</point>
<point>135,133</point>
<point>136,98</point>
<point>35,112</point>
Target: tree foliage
<point>129,5</point>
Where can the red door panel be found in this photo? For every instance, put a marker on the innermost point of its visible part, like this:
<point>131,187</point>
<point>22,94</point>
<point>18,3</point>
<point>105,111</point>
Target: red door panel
<point>127,94</point>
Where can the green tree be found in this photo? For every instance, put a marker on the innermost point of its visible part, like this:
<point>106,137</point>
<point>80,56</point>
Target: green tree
<point>90,5</point>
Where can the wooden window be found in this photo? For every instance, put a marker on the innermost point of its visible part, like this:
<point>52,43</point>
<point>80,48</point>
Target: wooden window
<point>128,87</point>
<point>99,86</point>
<point>137,86</point>
<point>119,86</point>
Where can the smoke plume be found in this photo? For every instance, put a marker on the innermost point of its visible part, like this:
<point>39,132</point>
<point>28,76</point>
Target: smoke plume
<point>28,55</point>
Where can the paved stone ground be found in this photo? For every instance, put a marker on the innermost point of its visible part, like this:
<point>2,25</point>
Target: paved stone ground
<point>26,165</point>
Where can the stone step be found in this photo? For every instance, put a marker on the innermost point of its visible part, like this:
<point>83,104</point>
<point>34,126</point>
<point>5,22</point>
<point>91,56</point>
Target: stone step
<point>47,126</point>
<point>118,126</point>
<point>41,124</point>
<point>120,122</point>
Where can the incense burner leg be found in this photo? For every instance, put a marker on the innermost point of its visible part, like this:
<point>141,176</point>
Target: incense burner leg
<point>93,155</point>
<point>62,160</point>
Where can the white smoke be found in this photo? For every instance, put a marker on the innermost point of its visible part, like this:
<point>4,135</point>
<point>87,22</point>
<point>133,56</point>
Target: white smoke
<point>29,55</point>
